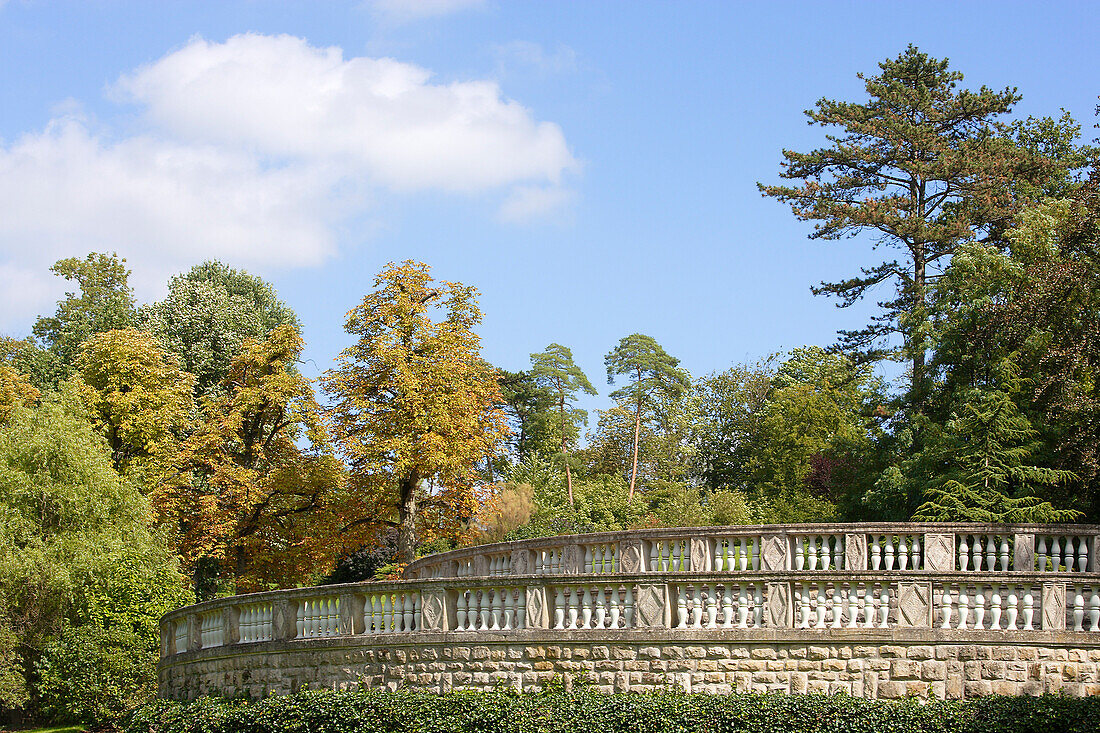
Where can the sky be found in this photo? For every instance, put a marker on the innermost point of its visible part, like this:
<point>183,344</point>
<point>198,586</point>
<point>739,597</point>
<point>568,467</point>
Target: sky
<point>590,167</point>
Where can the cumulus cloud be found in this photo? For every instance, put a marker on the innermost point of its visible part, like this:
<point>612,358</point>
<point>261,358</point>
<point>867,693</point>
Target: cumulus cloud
<point>255,150</point>
<point>406,11</point>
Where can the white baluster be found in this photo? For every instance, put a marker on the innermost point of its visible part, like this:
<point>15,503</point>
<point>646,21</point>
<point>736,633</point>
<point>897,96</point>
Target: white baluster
<point>1094,610</point>
<point>1082,555</point>
<point>509,610</point>
<point>696,608</point>
<point>876,554</point>
<point>884,606</point>
<point>799,560</point>
<point>820,606</point>
<point>756,553</point>
<point>1003,554</point>
<point>712,607</point>
<point>964,556</point>
<point>838,606</point>
<point>681,608</point>
<point>1078,609</point>
<point>903,554</point>
<point>964,608</point>
<point>853,606</point>
<point>995,609</point>
<point>976,553</point>
<point>979,609</point>
<point>1040,554</point>
<point>1029,609</point>
<point>804,616</point>
<point>945,608</point>
<point>915,558</point>
<point>1013,609</point>
<point>888,554</point>
<point>409,607</point>
<point>614,610</point>
<point>628,608</point>
<point>586,609</point>
<point>727,606</point>
<point>990,555</point>
<point>574,608</point>
<point>559,609</point>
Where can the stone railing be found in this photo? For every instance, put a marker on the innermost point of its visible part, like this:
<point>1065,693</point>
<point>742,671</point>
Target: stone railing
<point>759,588</point>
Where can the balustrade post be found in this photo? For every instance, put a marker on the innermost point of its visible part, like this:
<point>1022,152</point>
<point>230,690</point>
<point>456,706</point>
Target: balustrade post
<point>775,552</point>
<point>167,639</point>
<point>435,613</point>
<point>914,605</point>
<point>1094,554</point>
<point>194,632</point>
<point>572,560</point>
<point>481,566</point>
<point>855,551</point>
<point>522,562</point>
<point>939,552</point>
<point>1023,554</point>
<point>284,617</point>
<point>350,614</point>
<point>779,609</point>
<point>537,609</point>
<point>1054,607</point>
<point>652,608</point>
<point>231,629</point>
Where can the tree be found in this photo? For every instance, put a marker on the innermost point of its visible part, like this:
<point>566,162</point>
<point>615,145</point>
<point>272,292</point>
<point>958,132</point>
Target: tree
<point>15,391</point>
<point>555,371</point>
<point>105,303</point>
<point>655,375</point>
<point>208,315</point>
<point>415,408</point>
<point>924,166</point>
<point>529,407</point>
<point>249,501</point>
<point>136,396</point>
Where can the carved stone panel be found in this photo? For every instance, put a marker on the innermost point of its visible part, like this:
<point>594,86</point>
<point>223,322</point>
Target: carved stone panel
<point>778,608</point>
<point>651,606</point>
<point>194,632</point>
<point>572,559</point>
<point>1023,554</point>
<point>914,605</point>
<point>433,610</point>
<point>700,557</point>
<point>631,556</point>
<point>481,566</point>
<point>231,623</point>
<point>537,612</point>
<point>348,613</point>
<point>939,552</point>
<point>282,620</point>
<point>773,556</point>
<point>855,551</point>
<point>1094,557</point>
<point>1054,606</point>
<point>521,562</point>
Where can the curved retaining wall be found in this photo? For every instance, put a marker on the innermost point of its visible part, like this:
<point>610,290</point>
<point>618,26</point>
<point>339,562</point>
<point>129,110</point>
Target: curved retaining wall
<point>873,610</point>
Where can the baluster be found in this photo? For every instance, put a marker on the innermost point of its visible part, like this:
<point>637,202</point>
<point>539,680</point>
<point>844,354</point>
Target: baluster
<point>979,609</point>
<point>1029,609</point>
<point>1013,609</point>
<point>1094,610</point>
<point>804,606</point>
<point>509,609</point>
<point>712,607</point>
<point>586,608</point>
<point>1082,555</point>
<point>681,608</point>
<point>696,607</point>
<point>416,612</point>
<point>1056,552</point>
<point>888,553</point>
<point>903,552</point>
<point>915,558</point>
<point>559,609</point>
<point>976,553</point>
<point>409,608</point>
<point>820,606</point>
<point>628,608</point>
<point>601,608</point>
<point>945,608</point>
<point>828,560</point>
<point>614,609</point>
<point>964,553</point>
<point>990,554</point>
<point>539,555</point>
<point>995,608</point>
<point>811,552</point>
<point>799,560</point>
<point>1003,555</point>
<point>964,608</point>
<point>883,606</point>
<point>461,604</point>
<point>837,609</point>
<point>719,564</point>
<point>574,608</point>
<point>876,553</point>
<point>853,606</point>
<point>727,606</point>
<point>1040,554</point>
<point>743,553</point>
<point>756,553</point>
<point>1078,609</point>
<point>869,606</point>
<point>653,566</point>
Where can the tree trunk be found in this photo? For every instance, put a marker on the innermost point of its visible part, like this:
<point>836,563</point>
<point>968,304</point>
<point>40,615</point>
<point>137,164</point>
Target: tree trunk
<point>916,330</point>
<point>406,525</point>
<point>564,452</point>
<point>634,469</point>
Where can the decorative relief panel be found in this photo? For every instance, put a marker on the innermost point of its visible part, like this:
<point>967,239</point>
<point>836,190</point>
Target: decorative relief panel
<point>773,556</point>
<point>631,560</point>
<point>700,557</point>
<point>915,605</point>
<point>855,551</point>
<point>650,606</point>
<point>939,552</point>
<point>537,613</point>
<point>778,606</point>
<point>521,562</point>
<point>481,566</point>
<point>572,559</point>
<point>1023,555</point>
<point>433,611</point>
<point>350,607</point>
<point>1054,606</point>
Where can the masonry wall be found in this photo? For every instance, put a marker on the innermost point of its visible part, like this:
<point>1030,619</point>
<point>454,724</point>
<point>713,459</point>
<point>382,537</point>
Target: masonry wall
<point>872,664</point>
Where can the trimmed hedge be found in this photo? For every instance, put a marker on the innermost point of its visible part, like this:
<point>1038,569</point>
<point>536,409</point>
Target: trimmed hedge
<point>586,711</point>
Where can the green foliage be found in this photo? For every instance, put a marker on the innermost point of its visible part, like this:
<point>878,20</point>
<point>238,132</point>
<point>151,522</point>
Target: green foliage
<point>94,675</point>
<point>105,302</point>
<point>529,407</point>
<point>585,711</point>
<point>208,315</point>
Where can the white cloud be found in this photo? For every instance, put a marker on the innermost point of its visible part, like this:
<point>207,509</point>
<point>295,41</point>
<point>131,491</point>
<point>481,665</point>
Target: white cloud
<point>377,117</point>
<point>532,55</point>
<point>255,150</point>
<point>397,12</point>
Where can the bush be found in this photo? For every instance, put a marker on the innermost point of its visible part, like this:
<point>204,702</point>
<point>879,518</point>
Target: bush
<point>94,675</point>
<point>585,711</point>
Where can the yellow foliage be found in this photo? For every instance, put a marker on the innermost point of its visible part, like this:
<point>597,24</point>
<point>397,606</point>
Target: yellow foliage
<point>15,391</point>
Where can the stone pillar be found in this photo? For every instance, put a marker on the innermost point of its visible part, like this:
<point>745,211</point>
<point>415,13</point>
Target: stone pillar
<point>167,639</point>
<point>1023,553</point>
<point>522,562</point>
<point>651,607</point>
<point>1054,607</point>
<point>350,619</point>
<point>284,617</point>
<point>775,552</point>
<point>194,632</point>
<point>939,552</point>
<point>1094,554</point>
<point>700,555</point>
<point>778,611</point>
<point>434,615</point>
<point>231,625</point>
<point>914,605</point>
<point>855,551</point>
<point>631,557</point>
<point>572,560</point>
<point>481,566</point>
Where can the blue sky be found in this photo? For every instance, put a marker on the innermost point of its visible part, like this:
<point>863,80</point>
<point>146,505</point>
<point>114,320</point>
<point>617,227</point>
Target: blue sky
<point>589,166</point>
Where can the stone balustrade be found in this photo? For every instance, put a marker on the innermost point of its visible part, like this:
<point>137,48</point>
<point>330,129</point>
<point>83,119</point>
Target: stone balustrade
<point>724,590</point>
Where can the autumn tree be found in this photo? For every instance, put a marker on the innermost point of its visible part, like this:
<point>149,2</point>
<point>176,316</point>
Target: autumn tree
<point>105,303</point>
<point>135,395</point>
<point>209,313</point>
<point>923,166</point>
<point>256,480</point>
<point>653,374</point>
<point>15,391</point>
<point>415,408</point>
<point>555,371</point>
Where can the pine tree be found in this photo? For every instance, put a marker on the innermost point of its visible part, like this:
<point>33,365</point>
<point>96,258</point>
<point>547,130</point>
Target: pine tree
<point>555,371</point>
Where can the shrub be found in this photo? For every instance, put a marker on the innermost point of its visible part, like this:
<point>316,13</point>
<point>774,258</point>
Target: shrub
<point>585,711</point>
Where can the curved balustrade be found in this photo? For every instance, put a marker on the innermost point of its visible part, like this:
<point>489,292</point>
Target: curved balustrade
<point>832,579</point>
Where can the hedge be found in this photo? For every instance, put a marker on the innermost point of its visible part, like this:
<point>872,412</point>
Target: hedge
<point>586,711</point>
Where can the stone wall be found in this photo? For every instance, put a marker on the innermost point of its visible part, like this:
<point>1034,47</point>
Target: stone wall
<point>940,664</point>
